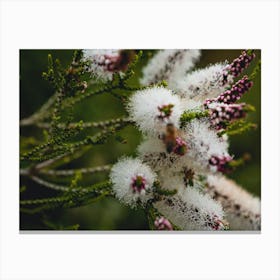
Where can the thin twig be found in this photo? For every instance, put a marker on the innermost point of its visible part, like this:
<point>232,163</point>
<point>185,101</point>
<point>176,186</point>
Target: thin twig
<point>24,172</point>
<point>54,160</point>
<point>72,102</point>
<point>44,111</point>
<point>49,185</point>
<point>67,189</point>
<point>70,172</point>
<point>101,124</point>
<point>40,114</point>
<point>50,161</point>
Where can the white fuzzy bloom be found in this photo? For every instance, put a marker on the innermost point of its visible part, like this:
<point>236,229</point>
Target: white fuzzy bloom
<point>100,62</point>
<point>204,84</point>
<point>152,109</point>
<point>132,181</point>
<point>190,104</point>
<point>171,180</point>
<point>243,210</point>
<point>169,65</point>
<point>153,152</point>
<point>203,143</point>
<point>191,210</point>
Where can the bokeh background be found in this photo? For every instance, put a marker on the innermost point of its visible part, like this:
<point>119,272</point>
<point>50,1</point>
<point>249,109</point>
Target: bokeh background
<point>109,214</point>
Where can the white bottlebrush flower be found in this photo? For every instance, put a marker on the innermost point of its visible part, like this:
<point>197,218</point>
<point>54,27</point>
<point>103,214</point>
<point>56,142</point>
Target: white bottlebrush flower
<point>132,181</point>
<point>102,63</point>
<point>153,152</point>
<point>243,210</point>
<point>191,105</point>
<point>153,108</point>
<point>203,144</point>
<point>169,65</point>
<point>182,67</point>
<point>204,83</point>
<point>171,180</point>
<point>191,210</point>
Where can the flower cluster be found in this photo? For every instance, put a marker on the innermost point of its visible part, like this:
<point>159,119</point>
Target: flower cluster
<point>204,83</point>
<point>169,65</point>
<point>240,63</point>
<point>104,63</point>
<point>132,181</point>
<point>221,114</point>
<point>174,155</point>
<point>234,93</point>
<point>243,210</point>
<point>153,108</point>
<point>192,210</point>
<point>220,163</point>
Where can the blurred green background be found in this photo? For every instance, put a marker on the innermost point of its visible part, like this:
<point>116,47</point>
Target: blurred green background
<point>109,214</point>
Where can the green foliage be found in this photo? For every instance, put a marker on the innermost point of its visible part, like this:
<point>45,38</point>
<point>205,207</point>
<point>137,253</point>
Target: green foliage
<point>187,116</point>
<point>59,142</point>
<point>73,196</point>
<point>238,127</point>
<point>255,71</point>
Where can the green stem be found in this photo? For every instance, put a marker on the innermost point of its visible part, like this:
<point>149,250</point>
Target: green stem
<point>71,198</point>
<point>101,124</point>
<point>57,187</point>
<point>81,97</point>
<point>256,70</point>
<point>49,185</point>
<point>44,200</point>
<point>42,113</point>
<point>188,116</point>
<point>62,159</point>
<point>98,138</point>
<point>237,128</point>
<point>70,172</point>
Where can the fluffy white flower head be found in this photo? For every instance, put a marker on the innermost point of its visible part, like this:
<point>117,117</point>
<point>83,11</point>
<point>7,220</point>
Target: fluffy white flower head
<point>152,109</point>
<point>203,143</point>
<point>189,58</point>
<point>132,181</point>
<point>243,210</point>
<point>171,180</point>
<point>101,62</point>
<point>192,210</point>
<point>169,65</point>
<point>153,152</point>
<point>204,84</point>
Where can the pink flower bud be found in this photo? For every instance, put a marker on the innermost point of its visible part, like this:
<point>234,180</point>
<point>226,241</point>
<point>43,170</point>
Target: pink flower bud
<point>221,114</point>
<point>180,147</point>
<point>162,223</point>
<point>239,64</point>
<point>221,163</point>
<point>232,95</point>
